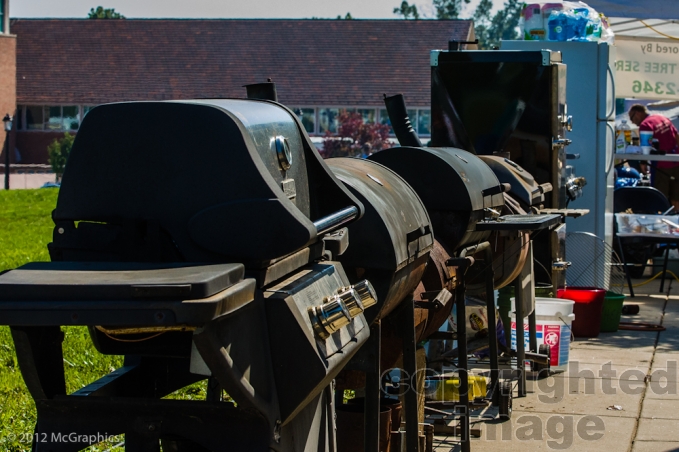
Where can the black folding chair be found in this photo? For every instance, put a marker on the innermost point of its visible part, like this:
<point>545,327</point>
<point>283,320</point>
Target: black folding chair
<point>641,200</point>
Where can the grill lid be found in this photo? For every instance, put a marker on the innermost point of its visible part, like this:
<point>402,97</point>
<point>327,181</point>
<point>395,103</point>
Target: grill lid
<point>228,180</point>
<point>456,188</point>
<point>444,178</point>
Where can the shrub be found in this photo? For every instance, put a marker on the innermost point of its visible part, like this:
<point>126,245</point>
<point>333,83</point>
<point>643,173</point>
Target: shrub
<point>58,152</point>
<point>355,138</point>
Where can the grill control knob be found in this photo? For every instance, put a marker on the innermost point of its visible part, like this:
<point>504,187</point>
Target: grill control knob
<point>330,316</point>
<point>352,301</point>
<point>366,293</point>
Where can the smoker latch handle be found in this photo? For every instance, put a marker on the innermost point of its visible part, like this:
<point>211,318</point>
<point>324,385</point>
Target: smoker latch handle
<point>560,265</point>
<point>335,220</point>
<point>461,263</point>
<point>572,156</point>
<point>436,300</point>
<point>501,188</point>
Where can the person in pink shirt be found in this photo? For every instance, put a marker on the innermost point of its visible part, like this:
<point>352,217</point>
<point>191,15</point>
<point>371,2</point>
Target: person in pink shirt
<point>667,176</point>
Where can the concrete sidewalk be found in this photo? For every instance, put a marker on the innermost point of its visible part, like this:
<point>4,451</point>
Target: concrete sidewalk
<point>27,180</point>
<point>620,393</point>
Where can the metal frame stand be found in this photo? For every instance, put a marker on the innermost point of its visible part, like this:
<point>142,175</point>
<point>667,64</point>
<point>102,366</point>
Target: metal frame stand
<point>406,322</point>
<point>492,320</point>
<point>524,286</point>
<point>367,360</point>
<point>126,401</point>
<point>462,263</point>
<point>371,427</point>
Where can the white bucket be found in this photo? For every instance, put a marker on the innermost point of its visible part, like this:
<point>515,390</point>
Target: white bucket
<point>553,318</point>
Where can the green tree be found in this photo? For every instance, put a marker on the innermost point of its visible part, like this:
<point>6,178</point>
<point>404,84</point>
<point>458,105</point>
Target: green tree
<point>104,13</point>
<point>407,11</point>
<point>58,152</point>
<point>503,25</point>
<point>449,9</point>
<point>347,17</point>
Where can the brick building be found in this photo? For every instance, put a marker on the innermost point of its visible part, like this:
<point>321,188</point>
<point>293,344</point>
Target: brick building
<point>64,67</point>
<point>8,102</point>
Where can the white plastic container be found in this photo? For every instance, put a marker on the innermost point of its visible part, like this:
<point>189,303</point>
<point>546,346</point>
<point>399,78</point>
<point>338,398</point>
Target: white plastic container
<point>534,28</point>
<point>547,9</point>
<point>553,318</point>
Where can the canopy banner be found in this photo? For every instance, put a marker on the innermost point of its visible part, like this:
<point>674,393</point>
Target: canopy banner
<point>647,68</point>
<point>637,9</point>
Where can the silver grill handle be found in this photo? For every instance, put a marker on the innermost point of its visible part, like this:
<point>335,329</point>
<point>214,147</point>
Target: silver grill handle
<point>336,220</point>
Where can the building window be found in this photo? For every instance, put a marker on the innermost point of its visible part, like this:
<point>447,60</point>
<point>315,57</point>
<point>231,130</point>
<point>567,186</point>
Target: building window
<point>424,122</point>
<point>86,109</point>
<point>384,119</point>
<point>52,117</point>
<point>327,120</point>
<point>61,118</point>
<point>368,115</point>
<point>71,117</point>
<point>49,117</point>
<point>308,118</point>
<point>34,117</point>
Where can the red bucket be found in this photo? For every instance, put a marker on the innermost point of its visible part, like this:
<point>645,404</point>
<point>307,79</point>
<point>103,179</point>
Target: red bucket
<point>589,302</point>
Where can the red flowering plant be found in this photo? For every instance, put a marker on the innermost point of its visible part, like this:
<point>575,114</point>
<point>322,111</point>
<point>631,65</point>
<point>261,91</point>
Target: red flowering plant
<point>354,137</point>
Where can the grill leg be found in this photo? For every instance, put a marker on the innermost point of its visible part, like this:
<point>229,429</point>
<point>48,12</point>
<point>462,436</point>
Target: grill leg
<point>371,439</point>
<point>407,327</point>
<point>533,332</point>
<point>492,321</point>
<point>41,360</point>
<point>520,345</point>
<point>532,321</point>
<point>462,363</point>
<point>462,263</point>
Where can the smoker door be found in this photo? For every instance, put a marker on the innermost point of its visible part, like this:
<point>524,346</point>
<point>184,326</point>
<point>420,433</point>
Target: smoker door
<point>536,142</point>
<point>511,103</point>
<point>478,97</point>
<point>558,252</point>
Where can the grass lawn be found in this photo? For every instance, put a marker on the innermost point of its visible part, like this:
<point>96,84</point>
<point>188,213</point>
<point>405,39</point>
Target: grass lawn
<point>25,230</point>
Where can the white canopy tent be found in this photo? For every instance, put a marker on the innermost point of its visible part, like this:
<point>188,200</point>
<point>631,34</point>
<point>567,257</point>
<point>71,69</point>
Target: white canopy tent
<point>640,25</point>
<point>645,28</point>
<point>637,9</point>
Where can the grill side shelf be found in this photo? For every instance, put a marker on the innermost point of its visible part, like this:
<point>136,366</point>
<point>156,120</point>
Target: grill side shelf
<point>519,223</point>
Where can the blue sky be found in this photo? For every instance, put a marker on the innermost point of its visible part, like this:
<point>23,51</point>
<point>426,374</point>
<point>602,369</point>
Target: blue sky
<point>359,9</point>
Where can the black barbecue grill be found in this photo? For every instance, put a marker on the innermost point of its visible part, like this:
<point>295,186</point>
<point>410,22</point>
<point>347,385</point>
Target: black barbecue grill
<point>196,243</point>
<point>393,239</point>
<point>456,187</point>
